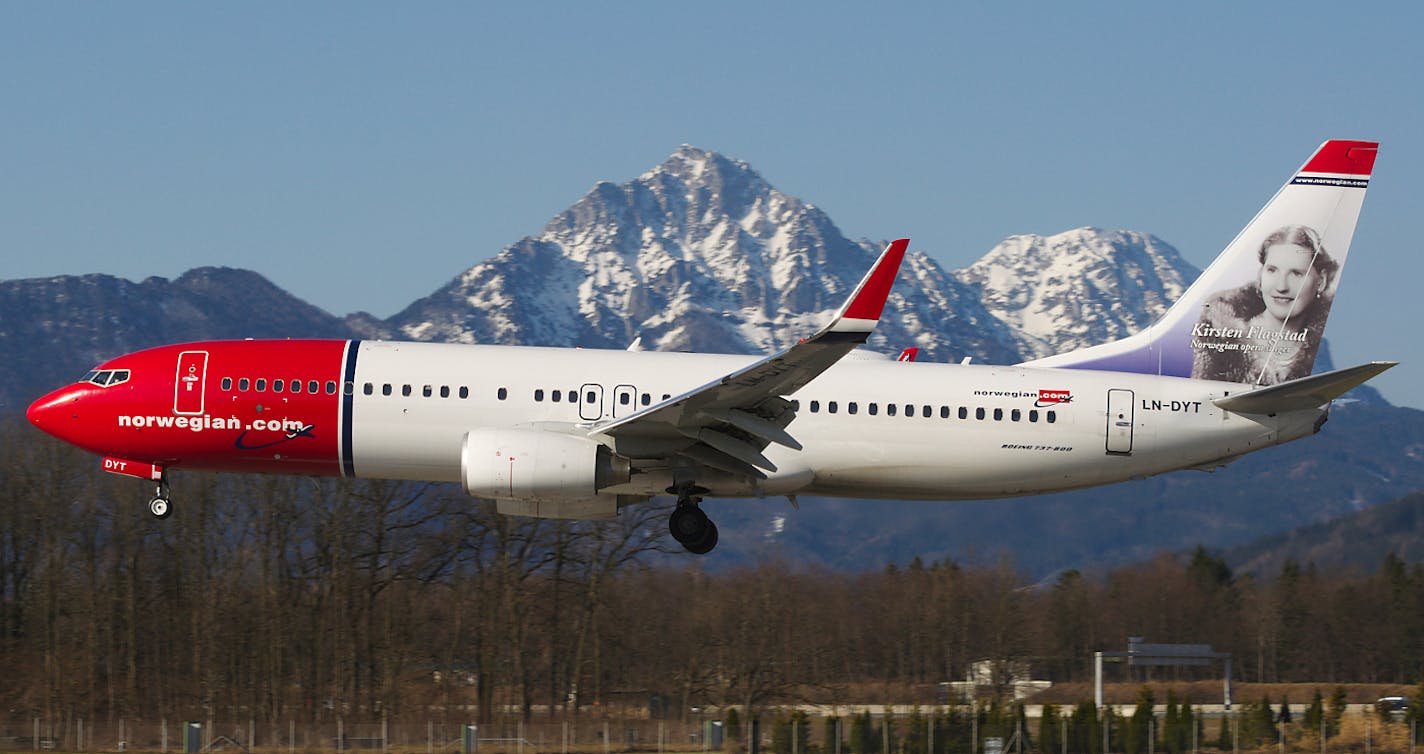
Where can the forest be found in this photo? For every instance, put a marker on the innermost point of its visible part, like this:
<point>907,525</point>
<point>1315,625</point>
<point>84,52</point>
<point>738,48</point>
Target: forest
<point>276,598</point>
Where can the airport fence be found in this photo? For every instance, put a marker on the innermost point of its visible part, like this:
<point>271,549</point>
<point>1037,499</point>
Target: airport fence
<point>574,736</point>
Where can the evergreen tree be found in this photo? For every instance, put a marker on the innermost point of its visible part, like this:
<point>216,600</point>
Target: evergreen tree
<point>1335,711</point>
<point>1223,737</point>
<point>789,734</point>
<point>1284,718</point>
<point>862,738</point>
<point>1314,714</point>
<point>834,734</point>
<point>1189,728</point>
<point>1085,735</point>
<point>1170,723</point>
<point>1050,740</point>
<point>1138,728</point>
<point>1263,724</point>
<point>916,740</point>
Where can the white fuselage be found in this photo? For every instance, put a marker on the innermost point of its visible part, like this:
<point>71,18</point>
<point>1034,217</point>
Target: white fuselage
<point>870,427</point>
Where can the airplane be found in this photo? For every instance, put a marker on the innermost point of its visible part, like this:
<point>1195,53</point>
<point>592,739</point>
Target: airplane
<point>581,433</point>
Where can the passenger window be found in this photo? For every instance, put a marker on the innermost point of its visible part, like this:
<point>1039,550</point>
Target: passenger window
<point>444,391</point>
<point>331,387</point>
<point>556,395</point>
<point>313,387</point>
<point>1032,415</point>
<point>502,393</point>
<point>243,384</point>
<point>227,383</point>
<point>464,392</point>
<point>647,399</point>
<point>368,389</point>
<point>427,391</point>
<point>874,409</point>
<point>592,397</point>
<point>963,412</point>
<point>296,386</point>
<point>573,396</point>
<point>926,411</point>
<point>1016,415</point>
<point>405,391</point>
<point>277,386</point>
<point>979,414</point>
<point>625,399</point>
<point>539,395</point>
<point>261,385</point>
<point>831,407</point>
<point>998,414</point>
<point>1052,417</point>
<point>666,396</point>
<point>815,407</point>
<point>386,389</point>
<point>944,412</point>
<point>891,409</point>
<point>852,408</point>
<point>348,388</point>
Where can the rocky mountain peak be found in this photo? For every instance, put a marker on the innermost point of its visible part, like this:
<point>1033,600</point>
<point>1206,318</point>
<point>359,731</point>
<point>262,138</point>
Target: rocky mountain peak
<point>1080,287</point>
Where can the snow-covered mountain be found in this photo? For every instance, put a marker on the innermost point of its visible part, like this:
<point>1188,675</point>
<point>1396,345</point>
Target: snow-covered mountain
<point>1078,288</point>
<point>699,253</point>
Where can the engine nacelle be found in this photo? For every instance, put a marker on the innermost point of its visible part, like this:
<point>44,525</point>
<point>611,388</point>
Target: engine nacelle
<point>535,466</point>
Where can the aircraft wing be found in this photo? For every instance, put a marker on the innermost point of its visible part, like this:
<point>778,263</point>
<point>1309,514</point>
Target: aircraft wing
<point>726,423</point>
<point>1304,393</point>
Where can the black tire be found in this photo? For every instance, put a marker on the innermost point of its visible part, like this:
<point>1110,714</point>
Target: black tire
<point>704,545</point>
<point>688,524</point>
<point>160,507</point>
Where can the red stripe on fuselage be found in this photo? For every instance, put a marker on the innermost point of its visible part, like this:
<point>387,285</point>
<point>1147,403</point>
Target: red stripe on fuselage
<point>270,430</point>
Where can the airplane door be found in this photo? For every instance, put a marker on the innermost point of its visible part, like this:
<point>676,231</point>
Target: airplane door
<point>591,402</point>
<point>190,380</point>
<point>625,400</point>
<point>1120,422</point>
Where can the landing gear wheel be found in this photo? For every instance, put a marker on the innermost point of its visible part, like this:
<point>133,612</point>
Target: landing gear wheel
<point>691,527</point>
<point>160,508</point>
<point>706,543</point>
<point>159,505</point>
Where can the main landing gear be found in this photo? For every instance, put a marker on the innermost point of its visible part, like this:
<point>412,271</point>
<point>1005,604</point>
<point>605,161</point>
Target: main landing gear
<point>159,505</point>
<point>690,526</point>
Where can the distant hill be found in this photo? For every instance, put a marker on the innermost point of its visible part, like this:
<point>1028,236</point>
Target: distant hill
<point>1357,541</point>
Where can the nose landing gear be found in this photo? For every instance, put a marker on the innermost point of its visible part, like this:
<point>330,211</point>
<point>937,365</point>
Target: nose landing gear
<point>159,505</point>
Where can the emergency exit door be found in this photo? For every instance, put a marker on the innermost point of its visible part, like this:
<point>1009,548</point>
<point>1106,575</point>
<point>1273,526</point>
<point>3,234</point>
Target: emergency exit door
<point>189,382</point>
<point>1120,422</point>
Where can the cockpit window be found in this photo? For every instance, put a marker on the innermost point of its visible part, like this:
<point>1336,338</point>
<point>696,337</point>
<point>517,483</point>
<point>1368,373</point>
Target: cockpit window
<point>106,377</point>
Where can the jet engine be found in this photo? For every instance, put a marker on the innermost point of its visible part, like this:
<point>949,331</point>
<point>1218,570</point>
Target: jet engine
<point>533,472</point>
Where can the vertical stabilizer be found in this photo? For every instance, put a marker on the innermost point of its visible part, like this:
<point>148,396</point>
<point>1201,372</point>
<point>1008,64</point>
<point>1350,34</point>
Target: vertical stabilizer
<point>1258,313</point>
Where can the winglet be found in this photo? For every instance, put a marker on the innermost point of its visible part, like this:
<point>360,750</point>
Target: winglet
<point>862,310</point>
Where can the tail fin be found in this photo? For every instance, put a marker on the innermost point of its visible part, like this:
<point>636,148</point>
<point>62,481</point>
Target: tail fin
<point>1257,314</point>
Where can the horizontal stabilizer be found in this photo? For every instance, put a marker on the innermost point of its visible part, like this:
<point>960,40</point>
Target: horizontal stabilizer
<point>1304,393</point>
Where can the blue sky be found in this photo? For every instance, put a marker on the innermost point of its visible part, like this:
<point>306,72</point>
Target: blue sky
<point>360,155</point>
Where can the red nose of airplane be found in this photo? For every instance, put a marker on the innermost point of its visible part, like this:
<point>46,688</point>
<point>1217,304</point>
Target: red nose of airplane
<point>57,413</point>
